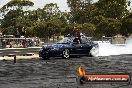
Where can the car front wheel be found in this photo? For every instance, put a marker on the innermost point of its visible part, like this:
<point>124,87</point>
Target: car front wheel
<point>66,54</point>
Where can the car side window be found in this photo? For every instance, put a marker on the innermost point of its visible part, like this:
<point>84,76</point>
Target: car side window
<point>85,40</point>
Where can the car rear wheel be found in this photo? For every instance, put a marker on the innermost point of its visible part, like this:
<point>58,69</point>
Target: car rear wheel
<point>66,54</point>
<point>94,52</point>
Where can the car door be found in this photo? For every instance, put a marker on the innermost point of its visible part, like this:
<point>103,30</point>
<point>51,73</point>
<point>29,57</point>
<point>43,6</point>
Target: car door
<point>80,49</point>
<point>85,49</point>
<point>77,49</point>
<point>85,46</point>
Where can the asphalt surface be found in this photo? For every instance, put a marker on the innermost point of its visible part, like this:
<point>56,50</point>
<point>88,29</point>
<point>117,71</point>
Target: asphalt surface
<point>61,73</point>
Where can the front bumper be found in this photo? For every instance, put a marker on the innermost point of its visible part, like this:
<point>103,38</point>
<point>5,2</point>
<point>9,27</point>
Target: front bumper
<point>43,54</point>
<point>50,53</point>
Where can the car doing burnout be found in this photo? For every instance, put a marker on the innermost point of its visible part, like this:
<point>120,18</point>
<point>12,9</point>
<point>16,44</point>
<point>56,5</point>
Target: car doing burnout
<point>69,47</point>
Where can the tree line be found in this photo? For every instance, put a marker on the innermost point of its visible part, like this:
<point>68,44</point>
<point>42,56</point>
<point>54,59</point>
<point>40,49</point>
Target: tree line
<point>103,18</point>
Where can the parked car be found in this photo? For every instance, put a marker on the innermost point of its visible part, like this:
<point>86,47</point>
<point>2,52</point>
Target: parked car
<point>70,46</point>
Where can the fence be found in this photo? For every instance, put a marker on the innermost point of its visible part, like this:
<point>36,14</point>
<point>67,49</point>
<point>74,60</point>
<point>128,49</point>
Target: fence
<point>32,42</point>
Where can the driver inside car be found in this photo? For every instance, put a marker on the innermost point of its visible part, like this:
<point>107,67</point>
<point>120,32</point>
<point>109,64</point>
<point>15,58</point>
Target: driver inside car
<point>77,41</point>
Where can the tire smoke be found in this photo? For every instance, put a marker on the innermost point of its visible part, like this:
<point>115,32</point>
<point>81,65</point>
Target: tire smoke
<point>107,49</point>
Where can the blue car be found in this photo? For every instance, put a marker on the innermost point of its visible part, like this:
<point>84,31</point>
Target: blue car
<point>70,46</point>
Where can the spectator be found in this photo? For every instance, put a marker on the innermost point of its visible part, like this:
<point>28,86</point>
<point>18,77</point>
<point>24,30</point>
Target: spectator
<point>10,43</point>
<point>3,43</point>
<point>24,44</point>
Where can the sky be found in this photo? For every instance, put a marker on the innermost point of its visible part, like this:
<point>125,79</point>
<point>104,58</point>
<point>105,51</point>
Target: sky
<point>40,3</point>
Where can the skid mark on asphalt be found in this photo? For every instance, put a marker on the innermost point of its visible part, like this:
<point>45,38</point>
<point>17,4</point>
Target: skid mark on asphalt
<point>59,73</point>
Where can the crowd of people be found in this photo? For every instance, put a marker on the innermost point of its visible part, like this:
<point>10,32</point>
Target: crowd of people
<point>12,41</point>
<point>19,42</point>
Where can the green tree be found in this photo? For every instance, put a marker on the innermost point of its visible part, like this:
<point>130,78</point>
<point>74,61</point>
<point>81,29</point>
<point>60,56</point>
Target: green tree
<point>15,4</point>
<point>10,19</point>
<point>51,10</point>
<point>107,26</point>
<point>56,20</point>
<point>89,29</point>
<point>116,9</point>
<point>77,8</point>
<point>126,28</point>
<point>40,29</point>
<point>68,29</point>
<point>15,16</point>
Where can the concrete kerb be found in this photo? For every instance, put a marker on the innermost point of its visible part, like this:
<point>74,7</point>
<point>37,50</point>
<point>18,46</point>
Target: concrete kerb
<point>17,57</point>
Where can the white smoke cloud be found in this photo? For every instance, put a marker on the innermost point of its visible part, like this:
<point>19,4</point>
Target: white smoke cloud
<point>107,49</point>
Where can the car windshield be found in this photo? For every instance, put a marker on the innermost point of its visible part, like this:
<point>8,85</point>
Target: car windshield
<point>67,40</point>
<point>70,40</point>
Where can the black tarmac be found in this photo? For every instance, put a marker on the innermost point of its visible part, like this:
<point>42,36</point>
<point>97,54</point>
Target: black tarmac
<point>61,73</point>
